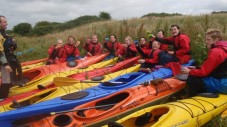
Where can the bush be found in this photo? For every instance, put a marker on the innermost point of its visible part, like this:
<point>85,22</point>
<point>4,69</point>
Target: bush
<point>23,29</point>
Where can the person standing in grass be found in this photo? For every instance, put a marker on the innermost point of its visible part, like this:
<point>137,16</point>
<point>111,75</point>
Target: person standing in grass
<point>57,53</point>
<point>181,47</point>
<point>93,47</point>
<point>4,87</point>
<point>127,50</point>
<point>71,49</point>
<point>112,46</point>
<point>212,75</point>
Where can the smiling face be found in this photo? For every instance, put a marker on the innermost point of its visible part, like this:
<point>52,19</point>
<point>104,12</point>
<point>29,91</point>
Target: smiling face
<point>128,40</point>
<point>112,38</point>
<point>142,41</point>
<point>155,45</point>
<point>160,34</point>
<point>94,39</point>
<point>175,31</point>
<point>209,41</point>
<point>71,41</point>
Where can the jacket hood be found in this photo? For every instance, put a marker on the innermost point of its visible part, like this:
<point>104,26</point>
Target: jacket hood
<point>221,44</point>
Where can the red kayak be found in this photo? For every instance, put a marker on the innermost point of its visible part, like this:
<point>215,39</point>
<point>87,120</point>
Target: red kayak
<point>50,91</point>
<point>110,108</point>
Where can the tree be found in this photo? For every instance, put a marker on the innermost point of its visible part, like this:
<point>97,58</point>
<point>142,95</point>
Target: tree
<point>43,27</point>
<point>23,29</point>
<point>105,15</point>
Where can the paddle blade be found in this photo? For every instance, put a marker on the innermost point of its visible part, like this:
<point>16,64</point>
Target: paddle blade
<point>224,114</point>
<point>64,81</point>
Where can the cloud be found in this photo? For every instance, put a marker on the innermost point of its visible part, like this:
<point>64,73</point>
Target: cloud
<point>32,11</point>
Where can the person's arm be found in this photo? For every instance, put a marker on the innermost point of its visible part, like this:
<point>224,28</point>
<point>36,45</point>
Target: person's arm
<point>167,41</point>
<point>215,58</point>
<point>132,48</point>
<point>141,51</point>
<point>184,48</point>
<point>153,60</point>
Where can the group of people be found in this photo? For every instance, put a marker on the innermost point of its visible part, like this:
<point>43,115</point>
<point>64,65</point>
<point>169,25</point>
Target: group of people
<point>210,77</point>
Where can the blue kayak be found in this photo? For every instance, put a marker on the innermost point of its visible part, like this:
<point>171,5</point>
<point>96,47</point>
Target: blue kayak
<point>74,99</point>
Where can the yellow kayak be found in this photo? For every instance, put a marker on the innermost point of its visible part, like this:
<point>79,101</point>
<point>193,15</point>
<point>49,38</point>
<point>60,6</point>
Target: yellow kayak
<point>192,112</point>
<point>36,96</point>
<point>49,78</point>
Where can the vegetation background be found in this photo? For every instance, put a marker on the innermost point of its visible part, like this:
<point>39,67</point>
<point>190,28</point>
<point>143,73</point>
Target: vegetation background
<point>45,34</point>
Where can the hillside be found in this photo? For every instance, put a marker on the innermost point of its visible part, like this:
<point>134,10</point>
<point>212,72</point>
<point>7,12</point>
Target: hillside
<point>194,26</point>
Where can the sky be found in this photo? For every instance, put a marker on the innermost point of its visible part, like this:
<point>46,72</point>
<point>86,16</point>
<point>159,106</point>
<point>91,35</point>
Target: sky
<point>33,11</point>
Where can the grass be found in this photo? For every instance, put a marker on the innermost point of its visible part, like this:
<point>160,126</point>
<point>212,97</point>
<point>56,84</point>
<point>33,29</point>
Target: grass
<point>194,26</point>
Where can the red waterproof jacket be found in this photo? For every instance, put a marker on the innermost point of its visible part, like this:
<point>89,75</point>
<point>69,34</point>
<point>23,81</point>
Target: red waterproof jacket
<point>128,52</point>
<point>93,48</point>
<point>181,45</point>
<point>152,56</point>
<point>71,50</point>
<point>216,62</point>
<point>112,47</point>
<point>57,55</point>
<point>164,47</point>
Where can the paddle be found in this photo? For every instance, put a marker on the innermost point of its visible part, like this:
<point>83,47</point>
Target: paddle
<point>73,110</point>
<point>66,81</point>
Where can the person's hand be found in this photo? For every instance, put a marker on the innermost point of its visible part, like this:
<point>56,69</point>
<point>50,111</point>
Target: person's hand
<point>141,61</point>
<point>89,54</point>
<point>185,70</point>
<point>171,52</point>
<point>119,56</point>
<point>8,68</point>
<point>77,43</point>
<point>124,45</point>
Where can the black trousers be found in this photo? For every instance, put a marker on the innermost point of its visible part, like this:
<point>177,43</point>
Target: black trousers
<point>16,66</point>
<point>195,85</point>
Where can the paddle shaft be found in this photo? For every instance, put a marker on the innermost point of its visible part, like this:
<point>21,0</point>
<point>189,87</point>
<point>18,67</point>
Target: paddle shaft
<point>73,110</point>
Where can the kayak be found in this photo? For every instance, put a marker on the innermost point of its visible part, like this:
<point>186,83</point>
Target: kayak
<point>33,62</point>
<point>114,106</point>
<point>44,74</point>
<point>121,72</point>
<point>77,98</point>
<point>51,91</point>
<point>192,112</point>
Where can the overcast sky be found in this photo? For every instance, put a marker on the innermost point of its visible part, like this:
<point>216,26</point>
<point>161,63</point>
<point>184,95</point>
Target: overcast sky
<point>32,11</point>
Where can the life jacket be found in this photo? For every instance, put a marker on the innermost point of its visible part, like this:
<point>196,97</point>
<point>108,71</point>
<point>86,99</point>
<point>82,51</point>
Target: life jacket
<point>221,70</point>
<point>9,45</point>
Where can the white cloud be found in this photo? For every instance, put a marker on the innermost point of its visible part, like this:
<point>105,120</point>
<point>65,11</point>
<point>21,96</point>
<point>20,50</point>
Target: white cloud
<point>32,11</point>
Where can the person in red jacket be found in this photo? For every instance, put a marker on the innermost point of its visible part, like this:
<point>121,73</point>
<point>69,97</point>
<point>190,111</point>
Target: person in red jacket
<point>93,47</point>
<point>56,53</point>
<point>181,47</point>
<point>142,47</point>
<point>152,55</point>
<point>112,46</point>
<point>72,52</point>
<point>160,34</point>
<point>212,75</point>
<point>127,50</point>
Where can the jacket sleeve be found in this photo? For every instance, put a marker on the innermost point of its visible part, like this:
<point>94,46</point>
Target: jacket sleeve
<point>184,45</point>
<point>153,60</point>
<point>141,52</point>
<point>76,52</point>
<point>167,41</point>
<point>132,47</point>
<point>120,51</point>
<point>215,58</point>
<point>50,50</point>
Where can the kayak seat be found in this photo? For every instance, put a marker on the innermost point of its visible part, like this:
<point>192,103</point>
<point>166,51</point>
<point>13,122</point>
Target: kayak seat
<point>114,124</point>
<point>143,119</point>
<point>75,95</point>
<point>209,95</point>
<point>71,64</point>
<point>97,78</point>
<point>62,120</point>
<point>40,87</point>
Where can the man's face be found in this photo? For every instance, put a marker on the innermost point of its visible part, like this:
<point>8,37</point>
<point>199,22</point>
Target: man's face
<point>3,23</point>
<point>175,31</point>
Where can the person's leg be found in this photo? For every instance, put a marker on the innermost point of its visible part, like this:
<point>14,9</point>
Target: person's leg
<point>4,90</point>
<point>195,85</point>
